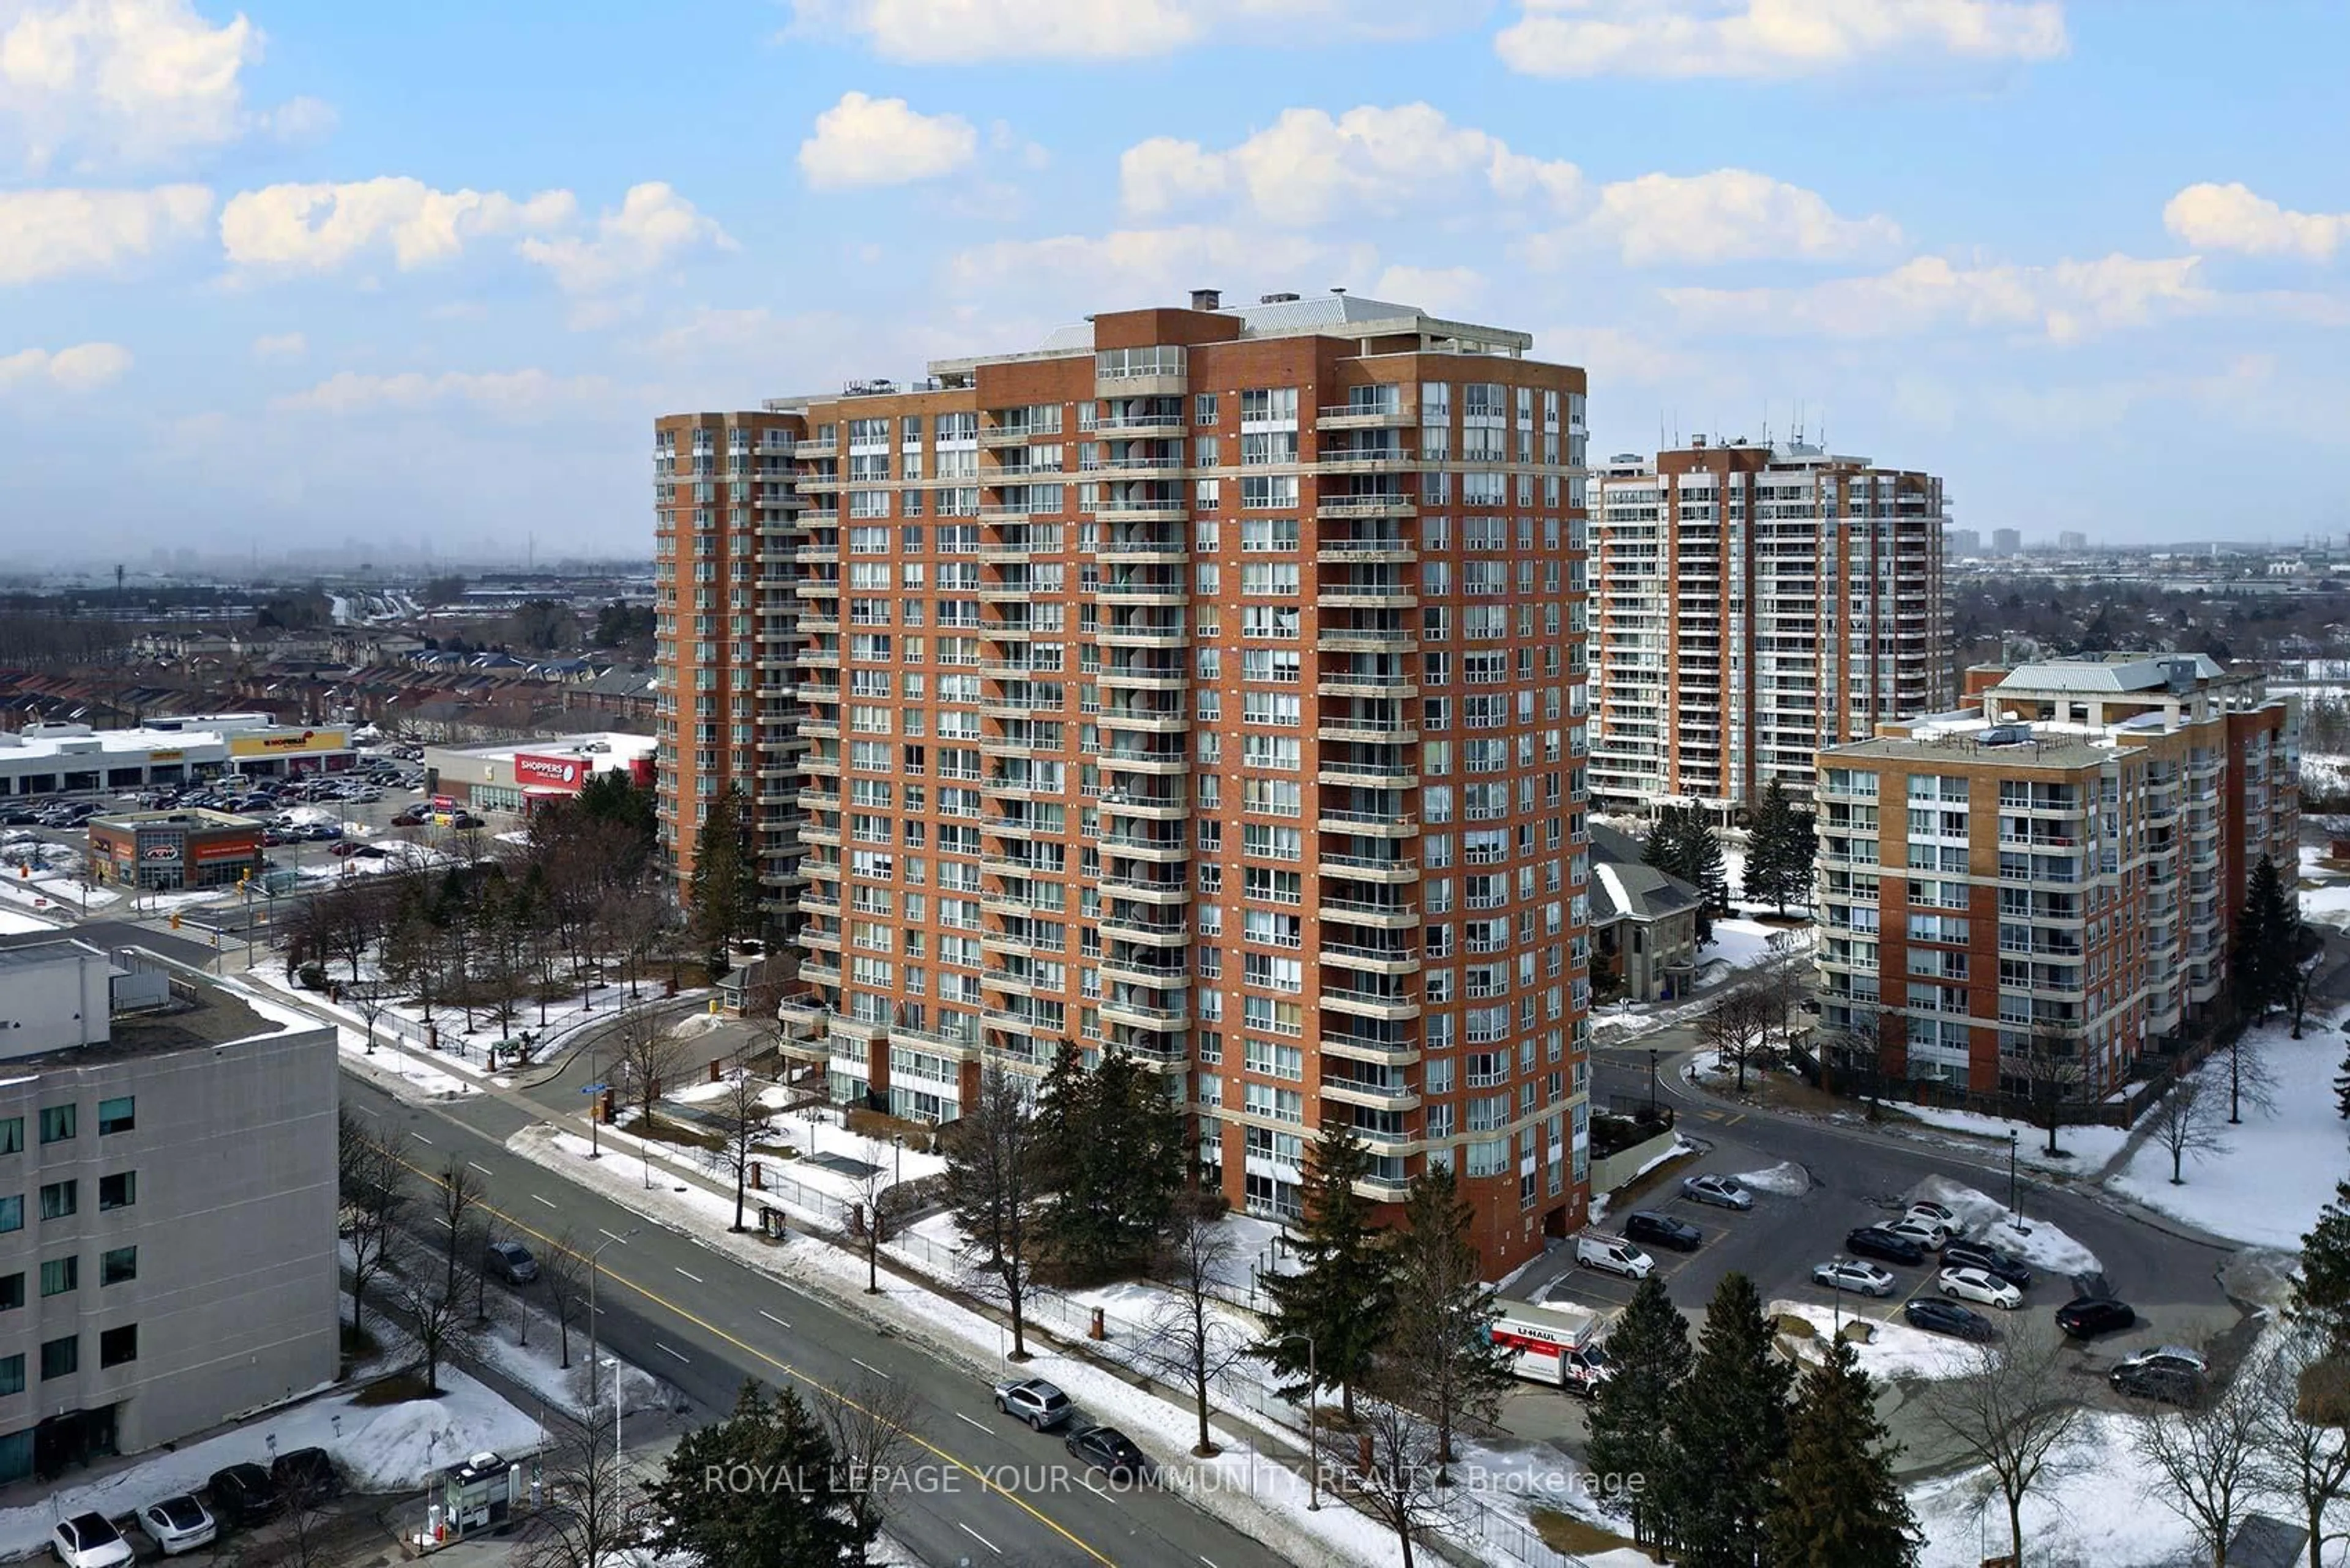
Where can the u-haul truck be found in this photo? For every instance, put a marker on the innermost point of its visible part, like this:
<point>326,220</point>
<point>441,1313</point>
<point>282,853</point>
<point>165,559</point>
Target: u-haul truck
<point>1555,1345</point>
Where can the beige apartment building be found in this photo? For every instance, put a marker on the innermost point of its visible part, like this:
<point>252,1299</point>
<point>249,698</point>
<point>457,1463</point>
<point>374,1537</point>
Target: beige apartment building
<point>1754,604</point>
<point>2062,859</point>
<point>1207,683</point>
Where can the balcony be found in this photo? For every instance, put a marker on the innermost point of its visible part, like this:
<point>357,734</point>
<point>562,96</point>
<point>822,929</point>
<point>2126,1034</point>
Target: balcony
<point>1156,721</point>
<point>1146,591</point>
<point>1369,1003</point>
<point>1134,968</point>
<point>1365,596</point>
<point>1382,824</point>
<point>1117,676</point>
<point>1381,1097</point>
<point>1351,417</point>
<point>1356,727</point>
<point>1175,761</point>
<point>817,449</point>
<point>1149,891</point>
<point>1378,913</point>
<point>1145,549</point>
<point>1380,775</point>
<point>1144,846</point>
<point>1143,509</point>
<point>1381,505</point>
<point>1142,634</point>
<point>1133,928</point>
<point>1111,423</point>
<point>1391,960</point>
<point>1016,435</point>
<point>1139,1014</point>
<point>1360,683</point>
<point>1350,551</point>
<point>1371,867</point>
<point>1366,640</point>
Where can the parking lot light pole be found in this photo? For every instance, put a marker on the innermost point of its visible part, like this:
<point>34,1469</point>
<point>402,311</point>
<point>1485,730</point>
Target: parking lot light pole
<point>1835,1301</point>
<point>1313,1424</point>
<point>595,1254</point>
<point>1652,1083</point>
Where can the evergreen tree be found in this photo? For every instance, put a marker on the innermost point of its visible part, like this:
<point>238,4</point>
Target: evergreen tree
<point>724,890</point>
<point>1837,1504</point>
<point>1439,1345</point>
<point>1630,1452</point>
<point>1114,1148</point>
<point>780,1501</point>
<point>1729,1434</point>
<point>1682,844</point>
<point>2263,958</point>
<point>2321,1295</point>
<point>1343,1295</point>
<point>2341,1086</point>
<point>1779,850</point>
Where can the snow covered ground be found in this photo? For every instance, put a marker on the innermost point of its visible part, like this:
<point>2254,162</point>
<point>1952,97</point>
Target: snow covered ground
<point>386,1447</point>
<point>1787,1178</point>
<point>2098,1508</point>
<point>1987,1219</point>
<point>13,924</point>
<point>2086,1149</point>
<point>1895,1349</point>
<point>2279,1167</point>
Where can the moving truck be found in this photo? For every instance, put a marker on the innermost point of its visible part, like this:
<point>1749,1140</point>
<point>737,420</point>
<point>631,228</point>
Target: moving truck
<point>1555,1345</point>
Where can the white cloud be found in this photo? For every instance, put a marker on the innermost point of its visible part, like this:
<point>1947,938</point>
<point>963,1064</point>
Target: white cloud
<point>1152,266</point>
<point>864,141</point>
<point>1730,215</point>
<point>111,82</point>
<point>71,233</point>
<point>2065,301</point>
<point>515,395</point>
<point>2233,218</point>
<point>321,227</point>
<point>1448,291</point>
<point>84,367</point>
<point>942,32</point>
<point>1613,356</point>
<point>1769,37</point>
<point>653,227</point>
<point>1309,168</point>
<point>281,346</point>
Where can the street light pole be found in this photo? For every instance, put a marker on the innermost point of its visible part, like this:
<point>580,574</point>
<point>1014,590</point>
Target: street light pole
<point>1652,1083</point>
<point>595,1253</point>
<point>1313,1424</point>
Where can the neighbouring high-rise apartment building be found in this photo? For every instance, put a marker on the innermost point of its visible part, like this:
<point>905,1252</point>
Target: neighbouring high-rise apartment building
<point>2048,874</point>
<point>1756,603</point>
<point>1206,685</point>
<point>2006,541</point>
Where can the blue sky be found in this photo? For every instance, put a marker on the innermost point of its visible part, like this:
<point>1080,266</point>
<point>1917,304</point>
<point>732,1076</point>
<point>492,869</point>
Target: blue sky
<point>425,272</point>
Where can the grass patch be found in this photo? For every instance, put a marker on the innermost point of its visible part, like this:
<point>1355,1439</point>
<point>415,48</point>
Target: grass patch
<point>675,1133</point>
<point>1564,1533</point>
<point>397,1390</point>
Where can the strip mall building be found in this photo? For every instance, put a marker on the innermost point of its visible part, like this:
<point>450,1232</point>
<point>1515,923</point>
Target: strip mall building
<point>74,759</point>
<point>512,778</point>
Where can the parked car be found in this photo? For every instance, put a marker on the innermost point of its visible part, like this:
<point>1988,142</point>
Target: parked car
<point>2167,1358</point>
<point>342,848</point>
<point>1663,1230</point>
<point>1613,1255</point>
<point>1723,1191</point>
<point>1929,1237</point>
<point>2168,1383</point>
<point>178,1524</point>
<point>512,1262</point>
<point>88,1541</point>
<point>1849,1274</point>
<point>309,1474</point>
<point>1933,1213</point>
<point>466,819</point>
<point>2085,1317</point>
<point>242,1495</point>
<point>1947,1317</point>
<point>1877,1242</point>
<point>1999,1265</point>
<point>1032,1399</point>
<point>1110,1450</point>
<point>1975,1285</point>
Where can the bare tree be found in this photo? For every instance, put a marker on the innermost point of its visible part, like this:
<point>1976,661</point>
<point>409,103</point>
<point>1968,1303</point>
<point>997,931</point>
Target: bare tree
<point>1736,1029</point>
<point>302,1502</point>
<point>2054,1077</point>
<point>596,1510</point>
<point>872,1428</point>
<point>741,1117</point>
<point>369,1003</point>
<point>1780,982</point>
<point>372,1186</point>
<point>995,1185</point>
<point>563,1271</point>
<point>1851,1051</point>
<point>454,1196</point>
<point>2186,1124</point>
<point>1190,1340</point>
<point>1392,1461</point>
<point>437,1312</point>
<point>2304,1460</point>
<point>2248,1078</point>
<point>2010,1412</point>
<point>650,1058</point>
<point>876,1217</point>
<point>2208,1457</point>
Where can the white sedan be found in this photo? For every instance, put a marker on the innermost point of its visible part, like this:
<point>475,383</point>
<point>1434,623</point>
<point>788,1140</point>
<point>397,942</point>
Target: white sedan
<point>1927,1236</point>
<point>90,1540</point>
<point>1933,1213</point>
<point>1851,1275</point>
<point>1980,1285</point>
<point>178,1524</point>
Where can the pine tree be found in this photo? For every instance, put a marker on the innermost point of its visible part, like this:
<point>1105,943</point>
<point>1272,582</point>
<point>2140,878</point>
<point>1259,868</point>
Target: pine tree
<point>1779,850</point>
<point>724,890</point>
<point>1729,1434</point>
<point>1343,1295</point>
<point>794,1515</point>
<point>1837,1504</point>
<point>1630,1452</point>
<point>2321,1295</point>
<point>2341,1088</point>
<point>1114,1148</point>
<point>1443,1308</point>
<point>1681,843</point>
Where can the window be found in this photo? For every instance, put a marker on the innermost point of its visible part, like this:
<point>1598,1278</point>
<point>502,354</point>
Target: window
<point>117,1345</point>
<point>12,1213</point>
<point>12,1292</point>
<point>57,1122</point>
<point>118,1266</point>
<point>59,1276</point>
<point>60,1198</point>
<point>61,1357</point>
<point>116,1115</point>
<point>12,1373</point>
<point>120,1190</point>
<point>12,1135</point>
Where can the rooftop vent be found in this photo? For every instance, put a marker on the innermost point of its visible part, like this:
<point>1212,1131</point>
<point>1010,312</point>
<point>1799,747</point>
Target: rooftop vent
<point>1207,299</point>
<point>1276,298</point>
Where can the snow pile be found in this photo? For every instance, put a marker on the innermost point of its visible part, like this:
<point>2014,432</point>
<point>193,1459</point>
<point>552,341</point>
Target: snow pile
<point>1787,1178</point>
<point>2094,1506</point>
<point>1986,1219</point>
<point>1897,1350</point>
<point>13,924</point>
<point>1743,943</point>
<point>386,1447</point>
<point>2084,1150</point>
<point>2280,1166</point>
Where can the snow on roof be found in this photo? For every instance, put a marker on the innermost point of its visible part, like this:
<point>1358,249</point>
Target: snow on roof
<point>2108,672</point>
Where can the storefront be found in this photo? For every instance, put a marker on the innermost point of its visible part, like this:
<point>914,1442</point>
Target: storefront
<point>164,850</point>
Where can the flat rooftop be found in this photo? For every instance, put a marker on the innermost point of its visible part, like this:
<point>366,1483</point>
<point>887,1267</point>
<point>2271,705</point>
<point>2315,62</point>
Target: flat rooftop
<point>201,1014</point>
<point>2044,749</point>
<point>184,816</point>
<point>597,748</point>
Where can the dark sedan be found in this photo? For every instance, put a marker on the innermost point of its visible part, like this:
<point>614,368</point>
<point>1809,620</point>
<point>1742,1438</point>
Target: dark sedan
<point>1663,1230</point>
<point>1874,1241</point>
<point>1938,1316</point>
<point>1999,1265</point>
<point>242,1495</point>
<point>1110,1451</point>
<point>2085,1317</point>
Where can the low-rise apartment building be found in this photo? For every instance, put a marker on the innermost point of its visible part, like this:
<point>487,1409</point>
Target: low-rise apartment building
<point>167,1206</point>
<point>1753,604</point>
<point>2052,871</point>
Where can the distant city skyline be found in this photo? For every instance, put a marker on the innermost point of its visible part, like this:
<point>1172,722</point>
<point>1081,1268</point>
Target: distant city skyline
<point>312,271</point>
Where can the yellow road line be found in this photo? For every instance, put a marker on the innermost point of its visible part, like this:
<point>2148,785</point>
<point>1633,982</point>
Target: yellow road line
<point>987,1482</point>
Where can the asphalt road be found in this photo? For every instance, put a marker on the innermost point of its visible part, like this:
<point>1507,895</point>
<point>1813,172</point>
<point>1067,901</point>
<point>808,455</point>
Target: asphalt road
<point>706,1324</point>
